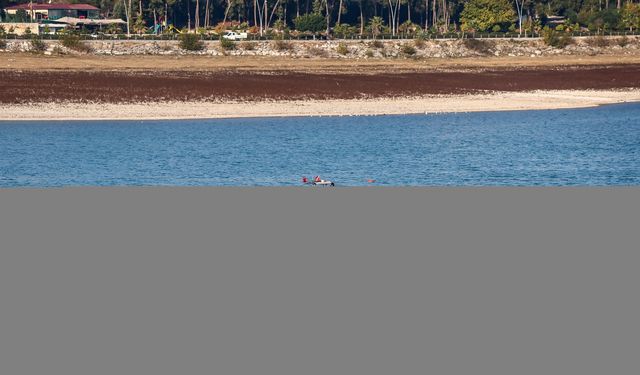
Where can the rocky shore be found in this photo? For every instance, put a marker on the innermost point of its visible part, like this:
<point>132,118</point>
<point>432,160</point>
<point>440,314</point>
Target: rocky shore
<point>355,49</point>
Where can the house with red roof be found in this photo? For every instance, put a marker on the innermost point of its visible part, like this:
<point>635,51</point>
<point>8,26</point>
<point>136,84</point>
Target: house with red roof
<point>53,12</point>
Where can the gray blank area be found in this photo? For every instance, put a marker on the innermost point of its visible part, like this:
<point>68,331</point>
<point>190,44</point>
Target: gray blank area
<point>319,281</point>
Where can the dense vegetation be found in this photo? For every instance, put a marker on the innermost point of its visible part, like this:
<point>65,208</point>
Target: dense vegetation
<point>374,17</point>
<point>191,42</point>
<point>73,41</point>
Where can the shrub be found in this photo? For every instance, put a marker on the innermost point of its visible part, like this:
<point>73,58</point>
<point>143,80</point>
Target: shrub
<point>317,52</point>
<point>190,42</point>
<point>57,50</point>
<point>253,30</point>
<point>565,40</point>
<point>3,44</point>
<point>555,39</point>
<point>342,49</point>
<point>376,44</point>
<point>248,46</point>
<point>598,41</point>
<point>282,45</point>
<point>419,43</point>
<point>369,53</point>
<point>37,45</point>
<point>312,22</point>
<point>344,30</point>
<point>165,47</point>
<point>623,42</point>
<point>279,25</point>
<point>481,46</point>
<point>408,50</point>
<point>73,42</point>
<point>227,44</point>
<point>410,28</point>
<point>115,29</point>
<point>221,27</point>
<point>84,48</point>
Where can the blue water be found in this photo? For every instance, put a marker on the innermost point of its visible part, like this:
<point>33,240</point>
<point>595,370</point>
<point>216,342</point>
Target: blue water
<point>599,146</point>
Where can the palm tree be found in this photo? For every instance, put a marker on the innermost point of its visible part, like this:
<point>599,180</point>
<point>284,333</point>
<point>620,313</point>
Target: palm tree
<point>376,24</point>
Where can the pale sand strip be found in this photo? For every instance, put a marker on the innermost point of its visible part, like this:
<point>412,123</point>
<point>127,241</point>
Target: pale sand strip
<point>441,104</point>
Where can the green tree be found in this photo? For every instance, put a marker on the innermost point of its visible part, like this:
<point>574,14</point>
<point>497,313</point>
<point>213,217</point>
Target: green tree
<point>21,16</point>
<point>376,25</point>
<point>482,15</point>
<point>313,22</point>
<point>608,19</point>
<point>478,15</point>
<point>631,16</point>
<point>140,26</point>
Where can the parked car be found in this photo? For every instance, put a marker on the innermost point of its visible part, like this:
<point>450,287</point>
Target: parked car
<point>232,35</point>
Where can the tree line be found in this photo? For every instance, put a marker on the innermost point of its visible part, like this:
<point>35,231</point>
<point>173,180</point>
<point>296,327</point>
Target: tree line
<point>352,17</point>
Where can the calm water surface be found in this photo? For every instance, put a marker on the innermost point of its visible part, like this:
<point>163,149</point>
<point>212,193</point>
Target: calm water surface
<point>599,146</point>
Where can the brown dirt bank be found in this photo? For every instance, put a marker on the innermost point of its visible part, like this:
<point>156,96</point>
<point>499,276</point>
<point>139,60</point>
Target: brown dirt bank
<point>27,61</point>
<point>154,86</point>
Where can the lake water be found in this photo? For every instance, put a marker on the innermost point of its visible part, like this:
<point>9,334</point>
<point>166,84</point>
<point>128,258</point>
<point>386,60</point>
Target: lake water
<point>599,146</point>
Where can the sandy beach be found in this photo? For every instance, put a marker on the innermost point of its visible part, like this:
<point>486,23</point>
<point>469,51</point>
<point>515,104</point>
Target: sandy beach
<point>501,101</point>
<point>39,88</point>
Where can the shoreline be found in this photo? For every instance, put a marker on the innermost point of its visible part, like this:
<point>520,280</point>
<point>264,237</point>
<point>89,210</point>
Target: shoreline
<point>181,110</point>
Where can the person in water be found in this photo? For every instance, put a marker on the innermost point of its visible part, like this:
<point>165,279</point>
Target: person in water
<point>305,180</point>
